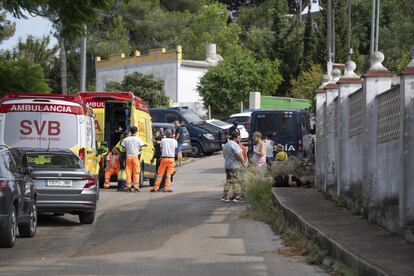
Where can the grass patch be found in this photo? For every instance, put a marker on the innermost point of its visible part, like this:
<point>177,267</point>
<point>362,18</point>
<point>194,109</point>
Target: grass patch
<point>340,201</point>
<point>339,269</point>
<point>260,207</point>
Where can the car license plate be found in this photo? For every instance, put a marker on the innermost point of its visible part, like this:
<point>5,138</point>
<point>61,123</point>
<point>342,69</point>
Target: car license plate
<point>59,183</point>
<point>185,144</point>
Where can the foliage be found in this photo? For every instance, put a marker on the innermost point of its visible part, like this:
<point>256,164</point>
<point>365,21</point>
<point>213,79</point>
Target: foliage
<point>109,37</point>
<point>22,76</point>
<point>304,85</point>
<point>73,14</point>
<point>7,28</point>
<point>224,87</point>
<point>210,25</point>
<point>146,87</point>
<point>35,50</point>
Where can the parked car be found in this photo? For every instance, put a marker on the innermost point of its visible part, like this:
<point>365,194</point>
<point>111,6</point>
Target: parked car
<point>205,138</point>
<point>226,126</point>
<point>187,141</point>
<point>17,199</point>
<point>241,119</point>
<point>291,128</point>
<point>63,185</point>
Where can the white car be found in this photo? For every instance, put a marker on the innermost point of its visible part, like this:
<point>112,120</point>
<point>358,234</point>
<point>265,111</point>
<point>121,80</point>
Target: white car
<point>225,126</point>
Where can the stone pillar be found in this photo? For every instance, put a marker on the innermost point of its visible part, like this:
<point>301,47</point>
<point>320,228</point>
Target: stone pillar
<point>407,142</point>
<point>348,84</point>
<point>330,132</point>
<point>376,80</point>
<point>254,100</point>
<point>320,166</point>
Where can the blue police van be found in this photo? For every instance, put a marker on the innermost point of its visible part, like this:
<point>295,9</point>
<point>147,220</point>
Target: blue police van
<point>291,128</point>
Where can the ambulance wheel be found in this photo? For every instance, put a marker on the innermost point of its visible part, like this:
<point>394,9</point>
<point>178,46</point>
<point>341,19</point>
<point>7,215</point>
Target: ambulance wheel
<point>141,176</point>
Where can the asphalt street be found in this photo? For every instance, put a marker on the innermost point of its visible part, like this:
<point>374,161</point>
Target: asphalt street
<point>187,232</point>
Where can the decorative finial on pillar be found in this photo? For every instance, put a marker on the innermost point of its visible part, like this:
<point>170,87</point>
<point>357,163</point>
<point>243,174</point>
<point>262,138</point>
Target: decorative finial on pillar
<point>336,75</point>
<point>350,67</point>
<point>411,64</point>
<point>376,62</point>
<point>325,81</point>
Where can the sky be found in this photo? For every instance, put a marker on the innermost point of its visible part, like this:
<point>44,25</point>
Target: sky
<point>36,26</point>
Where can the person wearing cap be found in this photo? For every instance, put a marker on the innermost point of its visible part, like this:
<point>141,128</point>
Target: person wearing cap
<point>281,154</point>
<point>133,147</point>
<point>168,146</point>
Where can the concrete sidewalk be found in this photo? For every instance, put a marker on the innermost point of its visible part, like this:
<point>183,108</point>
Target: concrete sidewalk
<point>348,238</point>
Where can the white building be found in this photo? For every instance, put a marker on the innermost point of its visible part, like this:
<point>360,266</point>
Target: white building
<point>180,77</point>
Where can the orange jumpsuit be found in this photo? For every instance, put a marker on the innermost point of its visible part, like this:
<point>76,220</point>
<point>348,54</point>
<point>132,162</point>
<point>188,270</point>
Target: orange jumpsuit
<point>132,171</point>
<point>113,167</point>
<point>166,167</point>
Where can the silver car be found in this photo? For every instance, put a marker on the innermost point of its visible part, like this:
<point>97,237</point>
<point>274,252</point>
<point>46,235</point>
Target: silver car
<point>63,185</point>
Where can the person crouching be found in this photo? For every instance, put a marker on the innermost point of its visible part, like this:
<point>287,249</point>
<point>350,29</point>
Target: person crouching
<point>168,146</point>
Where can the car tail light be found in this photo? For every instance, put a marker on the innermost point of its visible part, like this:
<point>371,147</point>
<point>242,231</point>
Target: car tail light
<point>82,154</point>
<point>91,182</point>
<point>3,184</point>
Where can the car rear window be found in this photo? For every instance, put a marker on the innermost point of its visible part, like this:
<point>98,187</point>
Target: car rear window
<point>219,123</point>
<point>53,161</point>
<point>239,120</point>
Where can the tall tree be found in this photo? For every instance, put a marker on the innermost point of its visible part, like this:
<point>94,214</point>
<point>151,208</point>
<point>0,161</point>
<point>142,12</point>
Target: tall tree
<point>35,50</point>
<point>22,76</point>
<point>224,87</point>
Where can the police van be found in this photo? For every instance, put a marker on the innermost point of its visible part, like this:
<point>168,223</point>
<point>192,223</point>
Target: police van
<point>291,128</point>
<point>116,112</point>
<point>49,121</point>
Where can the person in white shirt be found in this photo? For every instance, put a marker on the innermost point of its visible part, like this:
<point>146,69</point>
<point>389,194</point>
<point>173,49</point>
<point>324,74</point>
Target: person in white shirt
<point>133,147</point>
<point>168,146</point>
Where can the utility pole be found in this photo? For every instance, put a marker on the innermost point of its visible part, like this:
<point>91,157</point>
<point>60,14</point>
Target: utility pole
<point>300,10</point>
<point>349,30</point>
<point>373,21</point>
<point>377,26</point>
<point>83,63</point>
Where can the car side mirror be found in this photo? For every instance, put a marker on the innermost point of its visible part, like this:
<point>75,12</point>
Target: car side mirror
<point>27,170</point>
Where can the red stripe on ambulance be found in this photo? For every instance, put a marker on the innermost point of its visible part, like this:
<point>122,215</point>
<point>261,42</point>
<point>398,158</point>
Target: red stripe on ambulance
<point>29,107</point>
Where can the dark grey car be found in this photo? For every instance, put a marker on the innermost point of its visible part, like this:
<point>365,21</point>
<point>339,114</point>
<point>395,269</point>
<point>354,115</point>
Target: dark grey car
<point>187,142</point>
<point>17,199</point>
<point>63,185</point>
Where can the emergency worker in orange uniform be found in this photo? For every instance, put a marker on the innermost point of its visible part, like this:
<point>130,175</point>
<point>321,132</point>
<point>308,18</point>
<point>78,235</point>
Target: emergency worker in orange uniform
<point>133,147</point>
<point>168,146</point>
<point>112,165</point>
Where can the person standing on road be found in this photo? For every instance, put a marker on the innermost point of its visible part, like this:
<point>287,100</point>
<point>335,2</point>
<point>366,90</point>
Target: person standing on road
<point>233,163</point>
<point>259,150</point>
<point>168,146</point>
<point>122,161</point>
<point>112,166</point>
<point>179,136</point>
<point>133,147</point>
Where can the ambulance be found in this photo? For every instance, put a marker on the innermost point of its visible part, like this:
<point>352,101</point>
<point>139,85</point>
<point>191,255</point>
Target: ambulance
<point>116,112</point>
<point>49,121</point>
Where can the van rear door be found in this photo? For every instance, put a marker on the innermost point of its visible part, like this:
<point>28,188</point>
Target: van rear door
<point>282,126</point>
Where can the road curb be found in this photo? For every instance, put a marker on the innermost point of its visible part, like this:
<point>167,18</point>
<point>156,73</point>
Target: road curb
<point>335,249</point>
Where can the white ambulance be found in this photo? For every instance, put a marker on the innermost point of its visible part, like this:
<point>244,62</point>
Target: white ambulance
<point>49,121</point>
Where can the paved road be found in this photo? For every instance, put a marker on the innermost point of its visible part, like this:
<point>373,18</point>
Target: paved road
<point>188,232</point>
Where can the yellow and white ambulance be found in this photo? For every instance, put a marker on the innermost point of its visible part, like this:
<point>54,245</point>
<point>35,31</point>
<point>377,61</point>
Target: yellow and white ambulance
<point>45,121</point>
<point>116,112</point>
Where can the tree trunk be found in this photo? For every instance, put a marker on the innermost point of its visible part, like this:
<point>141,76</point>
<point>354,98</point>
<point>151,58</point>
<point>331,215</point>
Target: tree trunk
<point>63,63</point>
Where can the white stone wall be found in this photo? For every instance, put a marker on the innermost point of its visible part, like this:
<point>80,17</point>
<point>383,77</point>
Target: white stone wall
<point>188,79</point>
